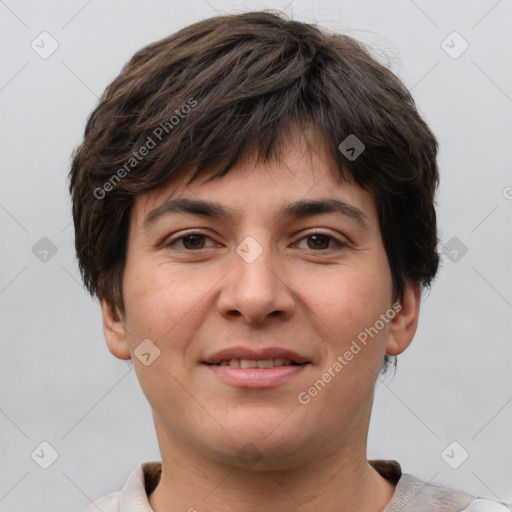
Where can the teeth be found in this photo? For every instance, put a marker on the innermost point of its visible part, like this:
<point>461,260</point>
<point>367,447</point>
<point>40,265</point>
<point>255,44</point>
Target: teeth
<point>247,363</point>
<point>260,363</point>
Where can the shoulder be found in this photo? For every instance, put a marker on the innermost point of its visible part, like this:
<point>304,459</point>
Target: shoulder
<point>413,494</point>
<point>134,495</point>
<point>109,503</point>
<point>485,505</point>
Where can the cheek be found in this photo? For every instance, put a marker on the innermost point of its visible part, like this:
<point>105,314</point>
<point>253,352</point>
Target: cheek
<point>350,300</point>
<point>162,304</point>
<point>150,300</point>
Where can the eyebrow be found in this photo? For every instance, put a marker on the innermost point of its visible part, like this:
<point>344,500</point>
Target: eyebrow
<point>298,209</point>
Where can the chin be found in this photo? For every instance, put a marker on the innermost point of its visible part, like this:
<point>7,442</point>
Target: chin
<point>273,444</point>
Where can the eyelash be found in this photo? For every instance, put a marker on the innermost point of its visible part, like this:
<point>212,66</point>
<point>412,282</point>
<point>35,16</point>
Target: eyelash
<point>339,243</point>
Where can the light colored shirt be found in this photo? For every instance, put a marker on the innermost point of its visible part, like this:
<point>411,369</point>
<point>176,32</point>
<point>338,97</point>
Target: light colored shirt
<point>411,494</point>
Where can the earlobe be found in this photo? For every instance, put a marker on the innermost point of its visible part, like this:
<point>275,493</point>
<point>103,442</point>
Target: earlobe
<point>404,324</point>
<point>114,330</point>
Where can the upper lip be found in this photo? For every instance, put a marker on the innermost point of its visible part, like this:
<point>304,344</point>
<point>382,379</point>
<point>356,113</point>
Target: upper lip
<point>255,355</point>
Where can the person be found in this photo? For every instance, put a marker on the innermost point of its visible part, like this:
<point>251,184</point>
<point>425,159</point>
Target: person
<point>254,207</point>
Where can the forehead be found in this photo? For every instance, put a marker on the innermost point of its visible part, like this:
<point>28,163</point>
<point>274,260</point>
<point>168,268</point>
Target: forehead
<point>305,170</point>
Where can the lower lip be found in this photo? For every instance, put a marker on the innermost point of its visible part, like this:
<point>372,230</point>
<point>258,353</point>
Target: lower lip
<point>257,377</point>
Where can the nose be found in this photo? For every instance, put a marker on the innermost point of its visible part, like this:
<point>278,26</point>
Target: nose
<point>255,291</point>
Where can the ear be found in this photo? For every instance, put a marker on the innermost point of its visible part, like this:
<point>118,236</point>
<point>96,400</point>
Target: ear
<point>114,330</point>
<point>403,326</point>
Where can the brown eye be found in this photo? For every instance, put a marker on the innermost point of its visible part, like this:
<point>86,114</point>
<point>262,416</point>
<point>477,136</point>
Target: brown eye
<point>321,242</point>
<point>318,241</point>
<point>192,242</point>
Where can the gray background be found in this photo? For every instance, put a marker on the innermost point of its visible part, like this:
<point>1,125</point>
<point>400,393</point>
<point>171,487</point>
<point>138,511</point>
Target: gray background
<point>60,384</point>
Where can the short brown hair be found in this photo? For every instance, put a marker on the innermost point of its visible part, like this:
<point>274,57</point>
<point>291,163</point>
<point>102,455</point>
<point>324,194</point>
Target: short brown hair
<point>247,79</point>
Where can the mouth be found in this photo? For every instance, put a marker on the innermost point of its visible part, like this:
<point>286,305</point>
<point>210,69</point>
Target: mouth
<point>241,357</point>
<point>255,363</point>
<point>241,367</point>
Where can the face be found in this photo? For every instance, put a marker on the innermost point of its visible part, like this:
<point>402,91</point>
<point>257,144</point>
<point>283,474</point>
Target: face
<point>259,309</point>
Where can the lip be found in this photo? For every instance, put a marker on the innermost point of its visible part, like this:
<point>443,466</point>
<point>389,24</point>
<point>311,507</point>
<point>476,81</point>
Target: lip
<point>253,355</point>
<point>256,377</point>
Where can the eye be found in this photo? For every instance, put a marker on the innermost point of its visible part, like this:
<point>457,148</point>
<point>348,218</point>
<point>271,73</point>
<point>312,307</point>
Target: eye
<point>322,241</point>
<point>314,242</point>
<point>190,242</point>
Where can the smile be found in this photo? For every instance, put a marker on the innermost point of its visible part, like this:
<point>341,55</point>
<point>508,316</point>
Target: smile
<point>250,373</point>
<point>255,363</point>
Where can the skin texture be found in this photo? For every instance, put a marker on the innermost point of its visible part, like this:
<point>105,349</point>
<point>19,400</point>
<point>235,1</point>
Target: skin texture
<point>191,302</point>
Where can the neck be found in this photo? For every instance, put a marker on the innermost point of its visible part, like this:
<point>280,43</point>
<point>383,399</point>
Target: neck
<point>341,480</point>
